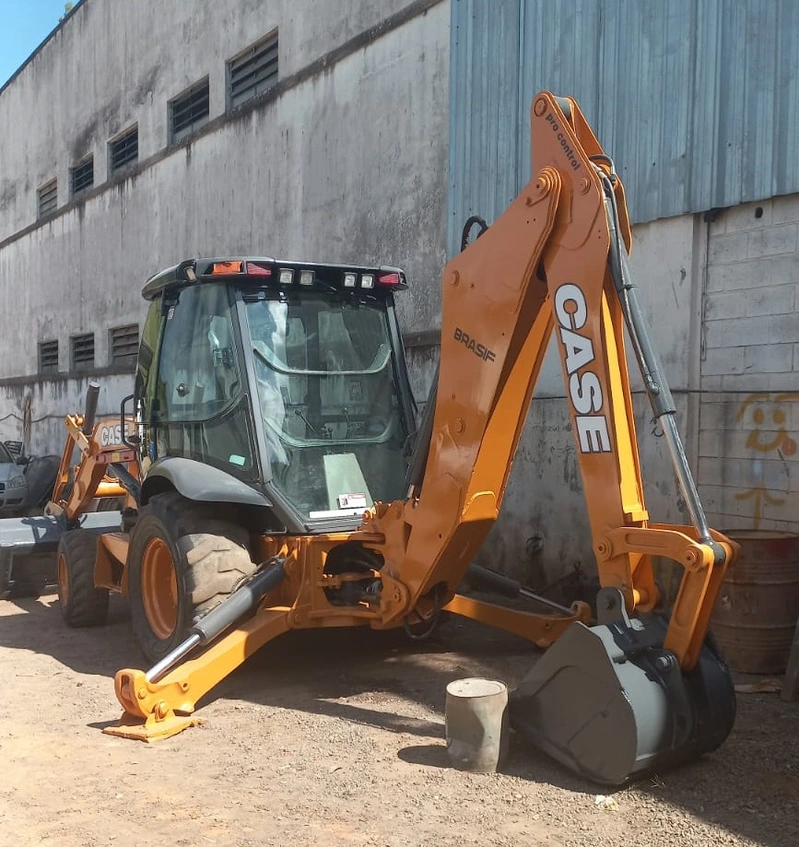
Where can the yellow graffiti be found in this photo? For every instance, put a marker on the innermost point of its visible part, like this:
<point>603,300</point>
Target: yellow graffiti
<point>760,496</point>
<point>780,442</point>
<point>781,438</point>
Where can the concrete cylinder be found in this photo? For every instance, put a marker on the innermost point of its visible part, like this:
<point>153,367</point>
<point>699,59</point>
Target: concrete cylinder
<point>477,724</point>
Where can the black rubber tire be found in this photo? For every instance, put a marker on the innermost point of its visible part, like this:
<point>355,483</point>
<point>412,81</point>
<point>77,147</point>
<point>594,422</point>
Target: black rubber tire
<point>81,603</point>
<point>209,556</point>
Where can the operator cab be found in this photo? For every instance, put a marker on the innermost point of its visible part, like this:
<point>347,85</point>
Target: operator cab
<point>288,377</point>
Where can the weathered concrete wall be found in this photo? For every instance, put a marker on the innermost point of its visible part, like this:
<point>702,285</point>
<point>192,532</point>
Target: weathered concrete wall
<point>750,411</point>
<point>112,64</point>
<point>34,414</point>
<point>346,162</point>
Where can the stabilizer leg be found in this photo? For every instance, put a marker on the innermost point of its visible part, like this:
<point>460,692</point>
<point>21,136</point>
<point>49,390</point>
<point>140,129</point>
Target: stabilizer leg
<point>159,709</point>
<point>542,630</point>
<point>157,702</point>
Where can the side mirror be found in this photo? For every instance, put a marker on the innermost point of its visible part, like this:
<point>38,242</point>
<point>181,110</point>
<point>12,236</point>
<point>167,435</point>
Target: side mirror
<point>22,460</point>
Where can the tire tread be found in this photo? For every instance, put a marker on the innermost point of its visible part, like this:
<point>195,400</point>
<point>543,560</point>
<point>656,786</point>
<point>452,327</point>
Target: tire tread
<point>88,605</point>
<point>215,550</point>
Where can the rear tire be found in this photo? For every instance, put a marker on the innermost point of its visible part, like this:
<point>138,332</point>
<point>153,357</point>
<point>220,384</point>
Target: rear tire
<point>81,603</point>
<point>183,561</point>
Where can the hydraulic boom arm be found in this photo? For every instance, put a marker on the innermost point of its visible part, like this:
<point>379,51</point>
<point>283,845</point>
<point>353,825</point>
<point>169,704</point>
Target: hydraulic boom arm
<point>553,261</point>
<point>106,468</point>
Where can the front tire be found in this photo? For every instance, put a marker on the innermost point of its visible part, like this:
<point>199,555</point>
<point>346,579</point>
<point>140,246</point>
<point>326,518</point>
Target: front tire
<point>81,603</point>
<point>183,561</point>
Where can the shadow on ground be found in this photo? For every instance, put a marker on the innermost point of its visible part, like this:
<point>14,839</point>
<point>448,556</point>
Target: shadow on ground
<point>35,624</point>
<point>750,786</point>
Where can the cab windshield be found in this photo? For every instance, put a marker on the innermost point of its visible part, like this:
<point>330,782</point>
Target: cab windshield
<point>328,399</point>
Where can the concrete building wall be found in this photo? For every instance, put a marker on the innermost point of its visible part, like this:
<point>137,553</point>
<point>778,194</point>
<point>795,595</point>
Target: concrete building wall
<point>345,160</point>
<point>114,64</point>
<point>722,298</point>
<point>749,425</point>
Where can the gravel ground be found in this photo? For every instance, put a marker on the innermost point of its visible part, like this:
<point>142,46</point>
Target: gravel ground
<point>337,738</point>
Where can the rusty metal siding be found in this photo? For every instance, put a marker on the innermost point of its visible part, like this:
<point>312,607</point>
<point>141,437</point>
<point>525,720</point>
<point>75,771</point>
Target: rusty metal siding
<point>696,100</point>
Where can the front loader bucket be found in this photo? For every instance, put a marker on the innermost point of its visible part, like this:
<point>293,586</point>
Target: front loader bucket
<point>28,547</point>
<point>610,703</point>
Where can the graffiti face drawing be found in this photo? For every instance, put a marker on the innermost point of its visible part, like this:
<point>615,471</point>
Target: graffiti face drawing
<point>765,418</point>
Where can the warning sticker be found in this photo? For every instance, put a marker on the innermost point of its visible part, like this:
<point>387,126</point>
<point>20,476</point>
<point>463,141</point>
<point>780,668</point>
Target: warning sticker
<point>351,501</point>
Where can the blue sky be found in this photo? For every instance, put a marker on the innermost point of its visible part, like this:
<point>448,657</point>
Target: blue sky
<point>24,24</point>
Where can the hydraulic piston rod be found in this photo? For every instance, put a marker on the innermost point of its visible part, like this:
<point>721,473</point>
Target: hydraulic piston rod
<point>655,382</point>
<point>243,600</point>
<point>494,581</point>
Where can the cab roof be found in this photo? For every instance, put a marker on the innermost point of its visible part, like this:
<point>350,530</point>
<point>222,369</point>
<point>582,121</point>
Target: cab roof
<point>285,274</point>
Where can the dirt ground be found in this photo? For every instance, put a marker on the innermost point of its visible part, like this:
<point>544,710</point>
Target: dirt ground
<point>337,738</point>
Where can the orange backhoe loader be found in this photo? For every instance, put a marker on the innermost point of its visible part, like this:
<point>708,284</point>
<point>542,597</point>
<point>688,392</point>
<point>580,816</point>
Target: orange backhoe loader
<point>264,464</point>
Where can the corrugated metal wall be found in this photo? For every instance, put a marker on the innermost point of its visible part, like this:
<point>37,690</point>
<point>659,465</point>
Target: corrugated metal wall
<point>696,100</point>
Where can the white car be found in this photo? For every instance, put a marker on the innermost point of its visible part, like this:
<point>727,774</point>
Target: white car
<point>13,485</point>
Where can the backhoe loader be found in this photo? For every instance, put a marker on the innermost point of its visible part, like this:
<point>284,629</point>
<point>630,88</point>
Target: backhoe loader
<point>269,483</point>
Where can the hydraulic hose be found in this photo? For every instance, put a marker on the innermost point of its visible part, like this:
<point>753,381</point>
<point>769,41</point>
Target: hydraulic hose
<point>657,388</point>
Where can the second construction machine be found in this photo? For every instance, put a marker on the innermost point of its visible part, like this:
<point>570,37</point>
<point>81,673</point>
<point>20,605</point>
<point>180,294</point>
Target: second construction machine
<point>263,461</point>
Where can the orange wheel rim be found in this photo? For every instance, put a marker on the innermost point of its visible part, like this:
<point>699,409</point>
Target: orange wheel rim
<point>159,588</point>
<point>63,580</point>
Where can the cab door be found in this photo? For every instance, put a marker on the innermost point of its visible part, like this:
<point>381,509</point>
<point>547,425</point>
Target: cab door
<point>146,368</point>
<point>193,397</point>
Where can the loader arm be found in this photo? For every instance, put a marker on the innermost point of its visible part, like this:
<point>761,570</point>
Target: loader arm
<point>107,467</point>
<point>543,266</point>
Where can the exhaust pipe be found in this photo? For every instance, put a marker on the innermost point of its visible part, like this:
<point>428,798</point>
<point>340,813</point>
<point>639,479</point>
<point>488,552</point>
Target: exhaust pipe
<point>92,395</point>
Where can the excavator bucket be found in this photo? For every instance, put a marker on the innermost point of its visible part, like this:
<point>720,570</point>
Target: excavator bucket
<point>610,703</point>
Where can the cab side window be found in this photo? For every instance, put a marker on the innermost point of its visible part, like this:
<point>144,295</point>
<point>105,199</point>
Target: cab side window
<point>198,371</point>
<point>145,372</point>
<point>200,405</point>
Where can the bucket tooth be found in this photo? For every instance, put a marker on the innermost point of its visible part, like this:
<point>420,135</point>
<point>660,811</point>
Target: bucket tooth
<point>610,703</point>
